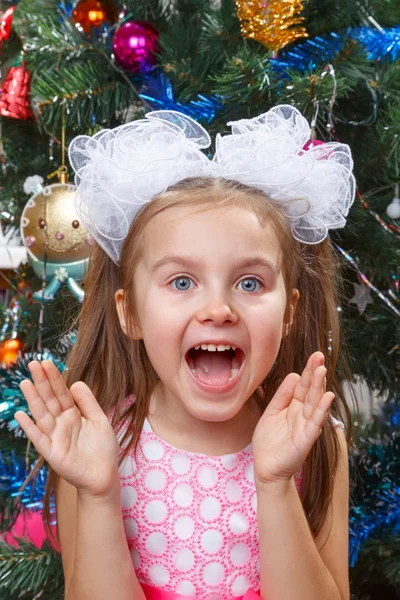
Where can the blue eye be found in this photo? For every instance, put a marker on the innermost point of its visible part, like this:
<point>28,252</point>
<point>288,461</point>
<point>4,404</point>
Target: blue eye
<point>249,284</point>
<point>182,283</point>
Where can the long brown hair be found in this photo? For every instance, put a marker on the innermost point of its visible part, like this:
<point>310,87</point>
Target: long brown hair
<point>114,366</point>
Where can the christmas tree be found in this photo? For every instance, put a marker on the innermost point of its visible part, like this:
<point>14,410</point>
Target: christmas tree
<point>75,68</point>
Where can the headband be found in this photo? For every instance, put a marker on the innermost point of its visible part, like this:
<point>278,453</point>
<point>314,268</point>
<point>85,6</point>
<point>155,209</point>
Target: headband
<point>119,170</point>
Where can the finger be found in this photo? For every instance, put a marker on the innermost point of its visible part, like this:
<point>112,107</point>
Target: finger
<point>321,412</point>
<point>315,393</point>
<point>304,384</point>
<point>44,388</point>
<point>57,384</point>
<point>86,402</point>
<point>284,394</point>
<point>34,434</point>
<point>37,407</point>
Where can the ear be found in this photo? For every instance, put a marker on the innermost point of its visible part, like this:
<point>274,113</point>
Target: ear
<point>123,318</point>
<point>292,307</point>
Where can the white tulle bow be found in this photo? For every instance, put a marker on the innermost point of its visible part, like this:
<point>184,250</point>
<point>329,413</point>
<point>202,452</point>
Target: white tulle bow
<point>119,170</point>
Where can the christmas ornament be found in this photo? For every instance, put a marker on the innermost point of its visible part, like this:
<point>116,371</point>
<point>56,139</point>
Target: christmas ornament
<point>393,210</point>
<point>33,184</point>
<point>14,99</point>
<point>29,526</point>
<point>94,13</point>
<point>379,44</point>
<point>6,23</point>
<point>158,91</point>
<point>56,240</point>
<point>9,351</point>
<point>134,45</point>
<point>274,24</point>
<point>362,296</point>
<point>365,279</point>
<point>12,317</point>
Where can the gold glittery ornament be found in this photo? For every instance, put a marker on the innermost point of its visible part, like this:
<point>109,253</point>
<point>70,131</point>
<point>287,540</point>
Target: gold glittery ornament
<point>58,244</point>
<point>274,23</point>
<point>50,226</point>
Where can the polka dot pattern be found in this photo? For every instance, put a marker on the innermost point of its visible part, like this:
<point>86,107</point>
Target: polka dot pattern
<point>190,519</point>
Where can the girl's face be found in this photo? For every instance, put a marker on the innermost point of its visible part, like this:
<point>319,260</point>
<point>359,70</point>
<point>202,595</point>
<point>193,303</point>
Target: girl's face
<point>209,278</point>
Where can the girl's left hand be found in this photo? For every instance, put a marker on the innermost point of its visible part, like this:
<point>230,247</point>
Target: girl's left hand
<point>291,424</point>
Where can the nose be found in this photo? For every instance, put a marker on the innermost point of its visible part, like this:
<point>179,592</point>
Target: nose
<point>218,310</point>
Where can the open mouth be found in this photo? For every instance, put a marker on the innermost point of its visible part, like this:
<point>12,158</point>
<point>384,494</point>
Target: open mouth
<point>212,366</point>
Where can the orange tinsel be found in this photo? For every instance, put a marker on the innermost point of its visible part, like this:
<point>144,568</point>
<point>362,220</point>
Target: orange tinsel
<point>273,23</point>
<point>9,351</point>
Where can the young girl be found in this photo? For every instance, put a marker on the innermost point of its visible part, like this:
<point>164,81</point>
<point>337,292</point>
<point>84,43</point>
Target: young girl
<point>195,449</point>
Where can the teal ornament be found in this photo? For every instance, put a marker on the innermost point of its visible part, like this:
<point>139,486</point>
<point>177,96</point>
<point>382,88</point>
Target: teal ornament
<point>69,274</point>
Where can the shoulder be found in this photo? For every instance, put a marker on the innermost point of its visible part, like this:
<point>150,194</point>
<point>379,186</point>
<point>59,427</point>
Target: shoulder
<point>333,539</point>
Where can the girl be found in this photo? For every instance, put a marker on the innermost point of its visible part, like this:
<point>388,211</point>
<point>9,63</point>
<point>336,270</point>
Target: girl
<point>220,472</point>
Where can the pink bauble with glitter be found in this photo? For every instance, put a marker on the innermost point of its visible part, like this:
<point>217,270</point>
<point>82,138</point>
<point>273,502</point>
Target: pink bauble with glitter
<point>134,45</point>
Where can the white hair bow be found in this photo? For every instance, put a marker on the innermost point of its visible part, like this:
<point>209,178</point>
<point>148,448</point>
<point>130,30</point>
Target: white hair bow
<point>119,170</point>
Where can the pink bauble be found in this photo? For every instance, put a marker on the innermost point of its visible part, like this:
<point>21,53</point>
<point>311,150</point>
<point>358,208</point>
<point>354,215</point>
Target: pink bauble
<point>134,45</point>
<point>29,525</point>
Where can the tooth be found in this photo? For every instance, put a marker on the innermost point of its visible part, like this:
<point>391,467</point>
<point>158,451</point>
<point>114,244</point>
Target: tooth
<point>221,347</point>
<point>233,347</point>
<point>211,347</point>
<point>196,347</point>
<point>234,372</point>
<point>204,347</point>
<point>193,371</point>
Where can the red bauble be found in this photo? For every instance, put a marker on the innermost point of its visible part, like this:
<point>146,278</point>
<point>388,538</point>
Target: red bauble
<point>93,13</point>
<point>134,45</point>
<point>14,99</point>
<point>5,24</point>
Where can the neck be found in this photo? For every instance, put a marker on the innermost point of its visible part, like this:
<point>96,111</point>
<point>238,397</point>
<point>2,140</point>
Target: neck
<point>171,421</point>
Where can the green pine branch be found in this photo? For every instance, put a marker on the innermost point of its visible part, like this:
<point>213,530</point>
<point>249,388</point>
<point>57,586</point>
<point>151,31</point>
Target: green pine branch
<point>387,12</point>
<point>245,78</point>
<point>42,24</point>
<point>379,563</point>
<point>28,572</point>
<point>156,12</point>
<point>85,92</point>
<point>351,62</point>
<point>389,130</point>
<point>387,81</point>
<point>304,89</point>
<point>324,16</point>
<point>221,31</point>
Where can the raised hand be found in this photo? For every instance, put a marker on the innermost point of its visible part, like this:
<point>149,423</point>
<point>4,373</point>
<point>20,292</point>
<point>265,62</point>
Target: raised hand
<point>291,423</point>
<point>71,432</point>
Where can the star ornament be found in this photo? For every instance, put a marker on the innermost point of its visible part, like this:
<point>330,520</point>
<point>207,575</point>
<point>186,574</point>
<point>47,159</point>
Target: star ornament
<point>362,296</point>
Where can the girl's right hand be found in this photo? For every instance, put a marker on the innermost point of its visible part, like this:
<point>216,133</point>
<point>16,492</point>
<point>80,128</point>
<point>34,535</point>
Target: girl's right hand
<point>72,433</point>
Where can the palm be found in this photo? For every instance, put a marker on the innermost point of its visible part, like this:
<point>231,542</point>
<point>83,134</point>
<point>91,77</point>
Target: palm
<point>71,432</point>
<point>81,450</point>
<point>291,423</point>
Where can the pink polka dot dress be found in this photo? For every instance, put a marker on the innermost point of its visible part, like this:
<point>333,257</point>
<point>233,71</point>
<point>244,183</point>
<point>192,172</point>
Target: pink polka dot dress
<point>191,519</point>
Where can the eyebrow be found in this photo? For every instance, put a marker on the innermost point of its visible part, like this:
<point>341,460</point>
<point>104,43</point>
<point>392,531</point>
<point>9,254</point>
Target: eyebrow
<point>239,263</point>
